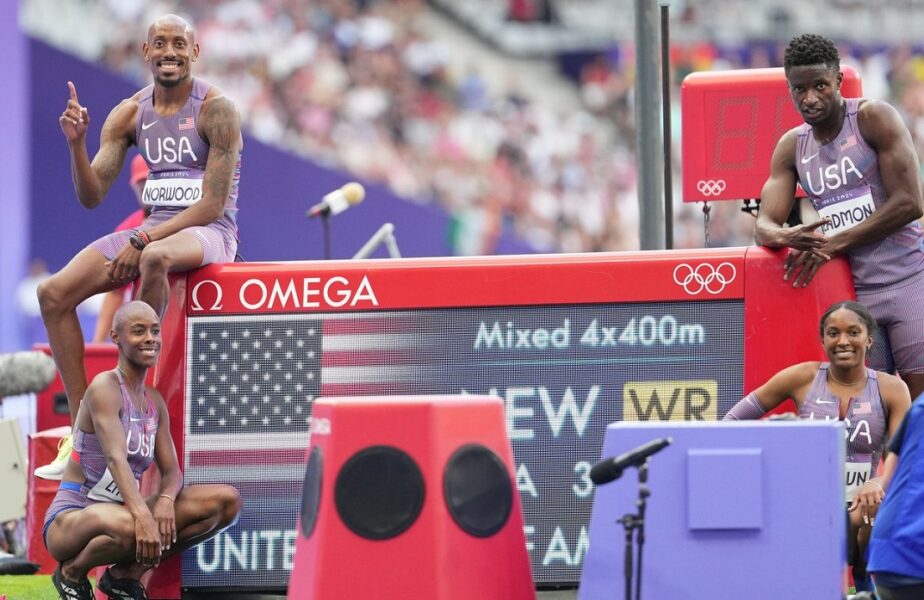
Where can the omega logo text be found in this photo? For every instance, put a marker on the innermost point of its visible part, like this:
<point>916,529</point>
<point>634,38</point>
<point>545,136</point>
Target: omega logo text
<point>335,292</point>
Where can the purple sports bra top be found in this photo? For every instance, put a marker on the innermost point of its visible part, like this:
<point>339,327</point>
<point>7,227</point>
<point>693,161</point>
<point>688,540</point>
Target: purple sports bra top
<point>842,180</point>
<point>140,433</point>
<point>176,156</point>
<point>866,420</point>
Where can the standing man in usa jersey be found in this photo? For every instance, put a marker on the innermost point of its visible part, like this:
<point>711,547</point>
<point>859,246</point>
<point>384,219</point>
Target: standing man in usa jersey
<point>855,160</point>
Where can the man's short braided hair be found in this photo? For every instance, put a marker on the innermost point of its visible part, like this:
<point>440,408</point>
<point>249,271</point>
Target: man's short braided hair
<point>811,49</point>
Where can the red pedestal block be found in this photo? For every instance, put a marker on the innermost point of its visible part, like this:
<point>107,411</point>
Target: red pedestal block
<point>410,497</point>
<point>51,403</point>
<point>43,448</point>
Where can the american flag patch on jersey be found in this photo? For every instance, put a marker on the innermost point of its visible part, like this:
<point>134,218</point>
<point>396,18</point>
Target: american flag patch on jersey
<point>187,123</point>
<point>862,408</point>
<point>848,141</point>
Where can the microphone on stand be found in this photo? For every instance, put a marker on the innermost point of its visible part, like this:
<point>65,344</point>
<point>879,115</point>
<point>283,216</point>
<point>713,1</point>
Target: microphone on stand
<point>611,469</point>
<point>338,201</point>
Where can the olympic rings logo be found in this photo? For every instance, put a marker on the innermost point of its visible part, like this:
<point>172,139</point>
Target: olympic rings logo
<point>710,187</point>
<point>704,276</point>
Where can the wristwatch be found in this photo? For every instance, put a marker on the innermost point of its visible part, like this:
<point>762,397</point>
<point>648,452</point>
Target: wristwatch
<point>137,241</point>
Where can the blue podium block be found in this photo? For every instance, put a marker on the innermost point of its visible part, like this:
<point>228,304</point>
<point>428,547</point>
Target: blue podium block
<point>737,510</point>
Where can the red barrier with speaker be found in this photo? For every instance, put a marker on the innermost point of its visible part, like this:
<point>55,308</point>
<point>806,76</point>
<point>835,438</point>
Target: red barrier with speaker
<point>410,495</point>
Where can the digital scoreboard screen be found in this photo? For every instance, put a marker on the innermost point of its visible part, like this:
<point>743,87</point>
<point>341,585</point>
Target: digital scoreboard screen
<point>570,343</point>
<point>564,373</point>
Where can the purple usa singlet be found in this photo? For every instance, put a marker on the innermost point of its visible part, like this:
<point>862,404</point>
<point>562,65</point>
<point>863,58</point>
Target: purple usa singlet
<point>842,181</point>
<point>140,433</point>
<point>177,155</point>
<point>865,419</point>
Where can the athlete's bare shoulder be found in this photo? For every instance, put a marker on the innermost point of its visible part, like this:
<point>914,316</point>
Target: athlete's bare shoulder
<point>213,92</point>
<point>871,110</point>
<point>867,105</point>
<point>216,98</point>
<point>878,119</point>
<point>220,122</point>
<point>891,384</point>
<point>805,372</point>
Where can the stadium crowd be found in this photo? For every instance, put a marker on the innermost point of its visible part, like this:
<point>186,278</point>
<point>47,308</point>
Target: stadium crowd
<point>356,85</point>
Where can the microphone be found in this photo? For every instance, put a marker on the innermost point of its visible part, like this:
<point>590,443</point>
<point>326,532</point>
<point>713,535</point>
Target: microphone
<point>338,201</point>
<point>25,373</point>
<point>610,469</point>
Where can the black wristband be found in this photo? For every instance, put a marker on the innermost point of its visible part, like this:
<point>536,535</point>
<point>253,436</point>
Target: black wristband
<point>137,241</point>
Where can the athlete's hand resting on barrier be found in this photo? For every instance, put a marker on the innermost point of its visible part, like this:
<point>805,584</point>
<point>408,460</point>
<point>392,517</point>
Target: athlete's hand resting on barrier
<point>804,265</point>
<point>867,501</point>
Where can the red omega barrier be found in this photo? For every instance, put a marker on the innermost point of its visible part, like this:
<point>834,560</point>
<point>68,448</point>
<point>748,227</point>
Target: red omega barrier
<point>569,342</point>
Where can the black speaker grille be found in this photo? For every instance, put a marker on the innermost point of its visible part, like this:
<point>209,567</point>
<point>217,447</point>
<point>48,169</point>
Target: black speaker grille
<point>478,491</point>
<point>311,491</point>
<point>379,492</point>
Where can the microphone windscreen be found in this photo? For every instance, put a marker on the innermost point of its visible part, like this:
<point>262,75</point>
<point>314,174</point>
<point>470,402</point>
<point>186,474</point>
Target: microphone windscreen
<point>25,373</point>
<point>353,192</point>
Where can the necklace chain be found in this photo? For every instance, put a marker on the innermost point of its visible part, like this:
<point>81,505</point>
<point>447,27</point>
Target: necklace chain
<point>845,383</point>
<point>142,405</point>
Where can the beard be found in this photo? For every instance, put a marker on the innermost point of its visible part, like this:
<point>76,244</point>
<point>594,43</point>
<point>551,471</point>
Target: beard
<point>169,83</point>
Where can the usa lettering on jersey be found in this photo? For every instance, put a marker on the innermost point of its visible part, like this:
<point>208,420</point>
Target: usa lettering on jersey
<point>832,177</point>
<point>169,150</point>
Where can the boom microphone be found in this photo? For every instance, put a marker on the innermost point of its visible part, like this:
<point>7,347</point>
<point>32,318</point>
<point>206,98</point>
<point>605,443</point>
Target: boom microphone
<point>338,201</point>
<point>610,469</point>
<point>25,373</point>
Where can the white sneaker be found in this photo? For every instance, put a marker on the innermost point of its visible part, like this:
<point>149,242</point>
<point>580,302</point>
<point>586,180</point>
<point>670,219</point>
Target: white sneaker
<point>55,469</point>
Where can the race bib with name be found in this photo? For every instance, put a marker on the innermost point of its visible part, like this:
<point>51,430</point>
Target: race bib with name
<point>856,473</point>
<point>846,209</point>
<point>106,490</point>
<point>172,192</point>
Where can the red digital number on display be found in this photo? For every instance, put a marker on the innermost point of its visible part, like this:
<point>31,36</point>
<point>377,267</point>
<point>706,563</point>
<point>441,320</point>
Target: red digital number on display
<point>732,121</point>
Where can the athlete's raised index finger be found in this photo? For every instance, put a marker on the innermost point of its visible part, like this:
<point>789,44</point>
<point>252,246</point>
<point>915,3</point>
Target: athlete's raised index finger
<point>73,90</point>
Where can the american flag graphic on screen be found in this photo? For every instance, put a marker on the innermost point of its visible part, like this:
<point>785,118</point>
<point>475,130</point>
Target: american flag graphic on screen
<point>252,382</point>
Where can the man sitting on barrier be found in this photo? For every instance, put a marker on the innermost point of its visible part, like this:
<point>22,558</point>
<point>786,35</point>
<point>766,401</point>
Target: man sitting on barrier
<point>99,516</point>
<point>190,135</point>
<point>871,403</point>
